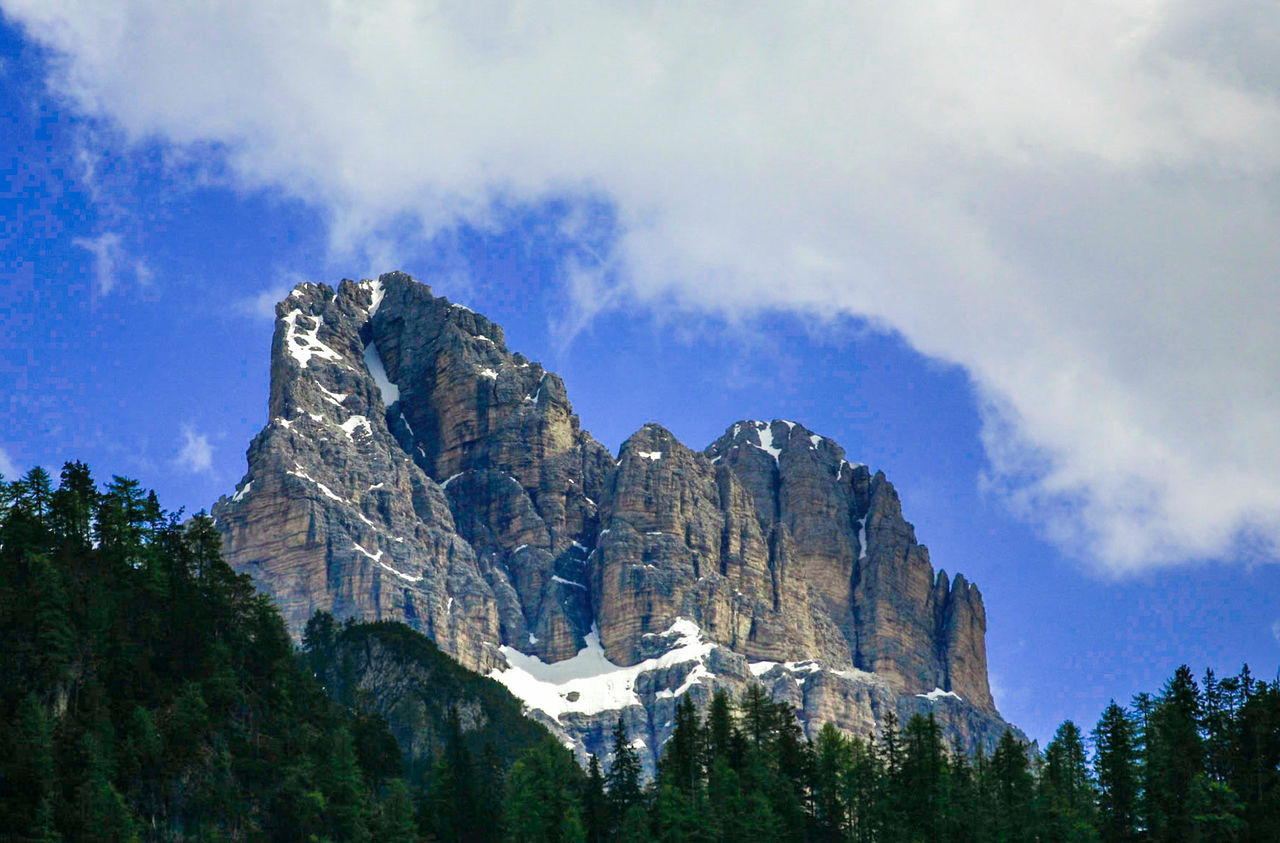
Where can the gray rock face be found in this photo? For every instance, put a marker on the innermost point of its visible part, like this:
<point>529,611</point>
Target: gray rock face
<point>415,469</point>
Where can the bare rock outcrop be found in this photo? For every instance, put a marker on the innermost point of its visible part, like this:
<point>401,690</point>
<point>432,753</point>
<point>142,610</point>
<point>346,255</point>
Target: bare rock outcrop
<point>415,469</point>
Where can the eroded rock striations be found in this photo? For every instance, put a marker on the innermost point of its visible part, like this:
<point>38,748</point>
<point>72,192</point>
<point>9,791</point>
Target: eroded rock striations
<point>415,469</point>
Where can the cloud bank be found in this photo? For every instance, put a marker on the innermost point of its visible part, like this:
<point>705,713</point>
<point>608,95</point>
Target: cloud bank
<point>1078,205</point>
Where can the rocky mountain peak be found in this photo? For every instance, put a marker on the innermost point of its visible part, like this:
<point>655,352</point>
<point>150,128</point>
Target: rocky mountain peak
<point>415,469</point>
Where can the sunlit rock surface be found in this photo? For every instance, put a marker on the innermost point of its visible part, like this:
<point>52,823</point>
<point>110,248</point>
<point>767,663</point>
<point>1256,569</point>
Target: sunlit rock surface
<point>415,469</point>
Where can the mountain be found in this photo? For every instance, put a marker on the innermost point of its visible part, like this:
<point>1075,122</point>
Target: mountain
<point>415,469</point>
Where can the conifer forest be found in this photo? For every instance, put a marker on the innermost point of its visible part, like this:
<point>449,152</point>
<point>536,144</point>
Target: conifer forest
<point>149,693</point>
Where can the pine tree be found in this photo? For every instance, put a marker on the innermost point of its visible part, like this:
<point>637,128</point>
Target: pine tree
<point>346,800</point>
<point>965,822</point>
<point>623,779</point>
<point>681,764</point>
<point>891,801</point>
<point>679,815</point>
<point>186,713</point>
<point>35,493</point>
<point>100,810</point>
<point>719,728</point>
<point>1256,756</point>
<point>73,505</point>
<point>833,763</point>
<point>50,610</point>
<point>120,523</point>
<point>394,821</point>
<point>757,715</point>
<point>1215,721</point>
<point>1115,766</point>
<point>454,792</point>
<point>925,778</point>
<point>1174,757</point>
<point>1066,789</point>
<point>595,806</point>
<point>491,795</point>
<point>1014,789</point>
<point>26,808</point>
<point>318,639</point>
<point>543,796</point>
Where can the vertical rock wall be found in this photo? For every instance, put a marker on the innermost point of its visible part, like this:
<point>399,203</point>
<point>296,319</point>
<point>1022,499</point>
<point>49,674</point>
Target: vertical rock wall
<point>416,469</point>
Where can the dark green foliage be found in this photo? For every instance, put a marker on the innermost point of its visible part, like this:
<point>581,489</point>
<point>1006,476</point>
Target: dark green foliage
<point>418,711</point>
<point>595,807</point>
<point>623,779</point>
<point>925,778</point>
<point>149,693</point>
<point>1066,791</point>
<point>456,797</point>
<point>1012,782</point>
<point>1115,765</point>
<point>544,792</point>
<point>394,820</point>
<point>1174,756</point>
<point>1255,776</point>
<point>749,776</point>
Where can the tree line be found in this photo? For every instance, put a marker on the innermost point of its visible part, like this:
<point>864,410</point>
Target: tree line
<point>1198,762</point>
<point>147,692</point>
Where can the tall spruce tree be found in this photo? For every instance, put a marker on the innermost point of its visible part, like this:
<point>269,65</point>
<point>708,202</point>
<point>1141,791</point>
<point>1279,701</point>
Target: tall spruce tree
<point>595,806</point>
<point>830,795</point>
<point>623,779</point>
<point>1066,788</point>
<point>543,795</point>
<point>1014,790</point>
<point>925,781</point>
<point>454,794</point>
<point>1115,765</point>
<point>1174,757</point>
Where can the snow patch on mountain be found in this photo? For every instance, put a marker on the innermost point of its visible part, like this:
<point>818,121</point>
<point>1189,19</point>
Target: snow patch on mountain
<point>765,432</point>
<point>373,362</point>
<point>594,683</point>
<point>302,343</point>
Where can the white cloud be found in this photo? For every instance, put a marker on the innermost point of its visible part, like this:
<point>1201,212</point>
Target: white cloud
<point>263,304</point>
<point>1076,202</point>
<point>111,261</point>
<point>7,466</point>
<point>1275,630</point>
<point>196,455</point>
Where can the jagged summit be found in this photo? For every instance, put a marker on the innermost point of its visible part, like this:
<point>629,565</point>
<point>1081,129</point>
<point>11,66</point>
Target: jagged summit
<point>415,469</point>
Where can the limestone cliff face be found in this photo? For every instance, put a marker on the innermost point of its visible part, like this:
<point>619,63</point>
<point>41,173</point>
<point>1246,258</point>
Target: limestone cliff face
<point>415,469</point>
<point>333,514</point>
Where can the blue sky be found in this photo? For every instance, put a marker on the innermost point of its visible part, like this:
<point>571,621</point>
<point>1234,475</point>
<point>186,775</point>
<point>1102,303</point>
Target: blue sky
<point>1045,334</point>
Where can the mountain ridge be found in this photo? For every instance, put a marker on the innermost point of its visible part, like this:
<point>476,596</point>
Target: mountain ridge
<point>415,469</point>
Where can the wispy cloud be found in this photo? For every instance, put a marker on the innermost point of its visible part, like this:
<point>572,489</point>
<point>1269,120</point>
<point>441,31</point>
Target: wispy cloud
<point>1074,203</point>
<point>7,466</point>
<point>196,453</point>
<point>262,305</point>
<point>112,264</point>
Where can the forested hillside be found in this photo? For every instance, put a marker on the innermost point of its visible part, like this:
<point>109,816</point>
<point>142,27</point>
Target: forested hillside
<point>149,693</point>
<point>428,699</point>
<point>1196,763</point>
